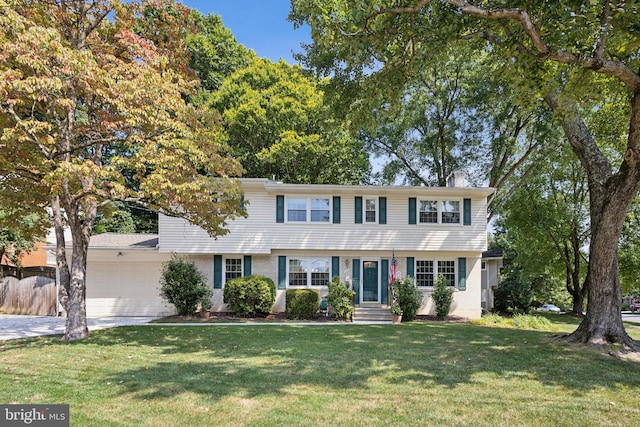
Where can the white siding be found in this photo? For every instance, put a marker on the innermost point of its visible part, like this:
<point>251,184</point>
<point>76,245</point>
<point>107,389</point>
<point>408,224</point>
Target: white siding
<point>260,234</point>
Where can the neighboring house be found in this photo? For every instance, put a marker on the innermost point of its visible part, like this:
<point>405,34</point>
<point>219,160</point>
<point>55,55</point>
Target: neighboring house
<point>491,265</point>
<point>302,235</point>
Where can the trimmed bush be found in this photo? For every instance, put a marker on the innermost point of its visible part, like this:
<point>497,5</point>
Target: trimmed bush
<point>340,299</point>
<point>408,297</point>
<point>302,303</point>
<point>442,297</point>
<point>183,286</point>
<point>250,296</point>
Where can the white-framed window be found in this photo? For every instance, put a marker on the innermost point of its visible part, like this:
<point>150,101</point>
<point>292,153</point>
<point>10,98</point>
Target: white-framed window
<point>450,212</point>
<point>232,268</point>
<point>428,270</point>
<point>308,271</point>
<point>320,209</point>
<point>424,273</point>
<point>428,211</point>
<point>309,209</point>
<point>370,210</point>
<point>439,211</point>
<point>296,209</point>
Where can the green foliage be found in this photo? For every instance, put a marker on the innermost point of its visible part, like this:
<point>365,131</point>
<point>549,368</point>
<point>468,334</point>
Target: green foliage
<point>518,321</point>
<point>302,303</point>
<point>396,309</point>
<point>294,135</point>
<point>513,292</point>
<point>408,297</point>
<point>18,233</point>
<point>215,53</point>
<point>340,298</point>
<point>184,286</point>
<point>250,296</point>
<point>629,251</point>
<point>442,297</point>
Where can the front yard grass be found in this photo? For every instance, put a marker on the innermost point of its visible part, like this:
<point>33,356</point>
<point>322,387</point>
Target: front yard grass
<point>418,374</point>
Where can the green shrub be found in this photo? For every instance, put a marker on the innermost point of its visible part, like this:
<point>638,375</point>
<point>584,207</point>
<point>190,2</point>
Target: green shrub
<point>442,297</point>
<point>250,296</point>
<point>183,286</point>
<point>340,299</point>
<point>518,321</point>
<point>302,303</point>
<point>408,297</point>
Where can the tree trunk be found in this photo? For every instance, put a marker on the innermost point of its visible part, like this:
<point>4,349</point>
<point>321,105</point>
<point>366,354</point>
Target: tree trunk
<point>611,195</point>
<point>76,326</point>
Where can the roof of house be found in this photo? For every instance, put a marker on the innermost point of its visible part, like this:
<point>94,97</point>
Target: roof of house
<point>123,241</point>
<point>493,254</point>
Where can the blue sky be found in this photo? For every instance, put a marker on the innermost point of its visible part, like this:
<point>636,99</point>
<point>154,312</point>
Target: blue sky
<point>260,25</point>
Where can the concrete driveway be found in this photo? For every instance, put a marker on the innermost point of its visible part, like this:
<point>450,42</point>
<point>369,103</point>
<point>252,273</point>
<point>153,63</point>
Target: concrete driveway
<point>18,326</point>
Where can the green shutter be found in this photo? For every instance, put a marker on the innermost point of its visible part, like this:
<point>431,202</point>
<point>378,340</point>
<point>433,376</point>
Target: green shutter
<point>247,265</point>
<point>384,279</point>
<point>382,215</point>
<point>466,211</point>
<point>336,210</point>
<point>335,266</point>
<point>282,272</point>
<point>217,272</point>
<point>279,208</point>
<point>462,274</point>
<point>358,210</point>
<point>410,266</point>
<point>412,210</point>
<point>242,202</point>
<point>356,280</point>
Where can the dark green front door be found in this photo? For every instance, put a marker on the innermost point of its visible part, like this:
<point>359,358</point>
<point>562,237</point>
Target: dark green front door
<point>370,281</point>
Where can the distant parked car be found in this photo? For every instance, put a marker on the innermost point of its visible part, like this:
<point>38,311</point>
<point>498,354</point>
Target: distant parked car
<point>550,308</point>
<point>635,306</point>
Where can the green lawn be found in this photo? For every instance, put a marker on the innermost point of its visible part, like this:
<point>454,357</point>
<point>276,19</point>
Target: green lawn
<point>422,374</point>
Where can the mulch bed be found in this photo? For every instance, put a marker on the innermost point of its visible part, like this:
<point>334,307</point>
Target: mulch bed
<point>279,317</point>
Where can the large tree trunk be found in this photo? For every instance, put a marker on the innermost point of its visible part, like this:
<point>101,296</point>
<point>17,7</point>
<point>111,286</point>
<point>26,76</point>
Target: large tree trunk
<point>76,326</point>
<point>611,195</point>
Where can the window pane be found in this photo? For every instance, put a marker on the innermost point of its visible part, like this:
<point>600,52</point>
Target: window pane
<point>424,273</point>
<point>428,211</point>
<point>320,272</point>
<point>297,272</point>
<point>232,268</point>
<point>370,210</point>
<point>320,210</point>
<point>448,270</point>
<point>450,212</point>
<point>297,210</point>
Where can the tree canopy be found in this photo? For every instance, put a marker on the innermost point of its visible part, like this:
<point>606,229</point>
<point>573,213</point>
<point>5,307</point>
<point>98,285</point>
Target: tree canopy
<point>279,126</point>
<point>576,56</point>
<point>93,109</point>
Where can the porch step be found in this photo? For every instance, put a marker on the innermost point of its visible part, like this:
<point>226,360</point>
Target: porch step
<point>372,313</point>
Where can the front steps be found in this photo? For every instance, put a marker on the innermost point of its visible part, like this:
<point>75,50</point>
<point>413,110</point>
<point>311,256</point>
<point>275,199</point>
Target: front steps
<point>372,313</point>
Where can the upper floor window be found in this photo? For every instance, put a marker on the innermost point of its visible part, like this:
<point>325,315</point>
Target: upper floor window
<point>428,211</point>
<point>439,212</point>
<point>308,209</point>
<point>451,212</point>
<point>370,211</point>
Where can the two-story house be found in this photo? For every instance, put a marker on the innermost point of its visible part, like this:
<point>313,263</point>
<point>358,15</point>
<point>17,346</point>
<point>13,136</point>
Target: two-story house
<point>301,236</point>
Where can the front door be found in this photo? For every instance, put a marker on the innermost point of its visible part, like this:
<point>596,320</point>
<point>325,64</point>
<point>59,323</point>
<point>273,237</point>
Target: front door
<point>370,282</point>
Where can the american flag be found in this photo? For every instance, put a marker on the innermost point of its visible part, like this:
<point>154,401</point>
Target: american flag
<point>392,269</point>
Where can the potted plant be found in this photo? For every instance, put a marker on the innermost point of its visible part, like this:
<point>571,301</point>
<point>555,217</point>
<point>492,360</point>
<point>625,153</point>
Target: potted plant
<point>396,313</point>
<point>205,306</point>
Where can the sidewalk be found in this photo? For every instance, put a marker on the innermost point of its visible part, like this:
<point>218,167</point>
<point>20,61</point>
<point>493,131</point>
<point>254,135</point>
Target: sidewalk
<point>19,326</point>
